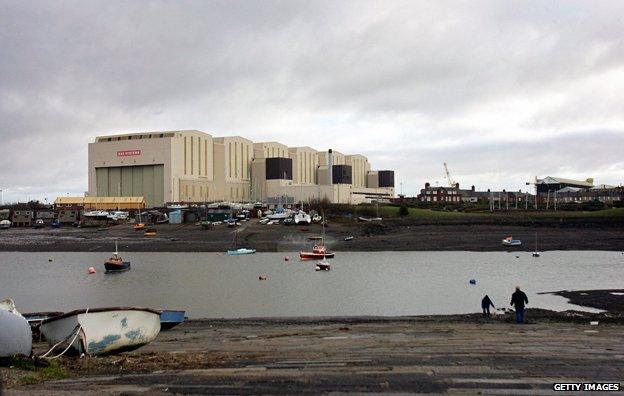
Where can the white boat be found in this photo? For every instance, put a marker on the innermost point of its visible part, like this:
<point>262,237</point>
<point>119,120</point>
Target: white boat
<point>302,218</point>
<point>323,265</point>
<point>264,221</point>
<point>5,225</point>
<point>369,219</point>
<point>96,213</point>
<point>240,251</point>
<point>316,218</point>
<point>509,241</point>
<point>102,331</point>
<point>15,332</point>
<point>177,207</point>
<point>278,216</point>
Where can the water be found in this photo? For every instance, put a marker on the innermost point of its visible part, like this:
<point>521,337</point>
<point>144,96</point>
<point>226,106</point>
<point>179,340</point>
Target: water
<point>383,283</point>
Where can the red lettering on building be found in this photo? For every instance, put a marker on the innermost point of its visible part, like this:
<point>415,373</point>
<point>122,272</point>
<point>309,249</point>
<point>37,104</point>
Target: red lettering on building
<point>128,153</point>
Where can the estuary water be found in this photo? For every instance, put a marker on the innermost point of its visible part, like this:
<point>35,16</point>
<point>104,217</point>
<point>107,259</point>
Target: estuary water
<point>214,285</point>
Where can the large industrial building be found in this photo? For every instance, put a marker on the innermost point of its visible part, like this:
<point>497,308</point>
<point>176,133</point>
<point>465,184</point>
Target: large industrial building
<point>192,166</point>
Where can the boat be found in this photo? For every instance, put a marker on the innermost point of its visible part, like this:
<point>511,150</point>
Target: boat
<point>140,225</point>
<point>535,252</point>
<point>177,207</point>
<point>116,263</point>
<point>15,333</point>
<point>318,251</point>
<point>101,331</point>
<point>96,213</point>
<point>34,320</point>
<point>150,232</point>
<point>369,219</point>
<point>239,251</point>
<point>169,318</point>
<point>39,223</point>
<point>5,224</point>
<point>302,218</point>
<point>349,238</point>
<point>315,238</point>
<point>316,218</point>
<point>323,265</point>
<point>278,216</point>
<point>509,241</point>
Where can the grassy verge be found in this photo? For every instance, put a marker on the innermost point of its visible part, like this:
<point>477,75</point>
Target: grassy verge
<point>21,370</point>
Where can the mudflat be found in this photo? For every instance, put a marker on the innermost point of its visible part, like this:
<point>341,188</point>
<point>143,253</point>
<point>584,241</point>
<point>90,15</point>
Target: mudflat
<point>459,354</point>
<point>389,235</point>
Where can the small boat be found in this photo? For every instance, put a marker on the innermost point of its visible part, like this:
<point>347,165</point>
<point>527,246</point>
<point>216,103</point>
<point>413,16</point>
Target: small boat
<point>349,238</point>
<point>170,318</point>
<point>509,241</point>
<point>316,218</point>
<point>101,331</point>
<point>138,226</point>
<point>116,263</point>
<point>302,218</point>
<point>369,219</point>
<point>323,265</point>
<point>239,251</point>
<point>150,232</point>
<point>34,319</point>
<point>318,251</point>
<point>315,238</point>
<point>5,224</point>
<point>15,333</point>
<point>177,207</point>
<point>39,223</point>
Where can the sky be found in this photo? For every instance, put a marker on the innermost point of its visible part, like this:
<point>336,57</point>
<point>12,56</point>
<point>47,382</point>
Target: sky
<point>501,91</point>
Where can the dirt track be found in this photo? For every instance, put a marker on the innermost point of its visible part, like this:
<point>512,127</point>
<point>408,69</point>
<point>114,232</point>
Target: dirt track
<point>264,238</point>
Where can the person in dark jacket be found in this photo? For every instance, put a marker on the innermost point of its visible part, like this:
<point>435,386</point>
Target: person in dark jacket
<point>485,305</point>
<point>518,299</point>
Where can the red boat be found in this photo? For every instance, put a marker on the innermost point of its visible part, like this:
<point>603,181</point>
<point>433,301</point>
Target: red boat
<point>318,252</point>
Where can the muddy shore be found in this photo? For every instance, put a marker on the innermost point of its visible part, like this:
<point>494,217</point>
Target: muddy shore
<point>455,354</point>
<point>397,236</point>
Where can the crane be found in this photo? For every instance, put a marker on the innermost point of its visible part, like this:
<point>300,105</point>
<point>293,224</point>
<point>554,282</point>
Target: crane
<point>452,182</point>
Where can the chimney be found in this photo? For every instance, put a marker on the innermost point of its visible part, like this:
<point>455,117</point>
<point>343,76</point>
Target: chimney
<point>457,186</point>
<point>427,185</point>
<point>472,188</point>
<point>330,166</point>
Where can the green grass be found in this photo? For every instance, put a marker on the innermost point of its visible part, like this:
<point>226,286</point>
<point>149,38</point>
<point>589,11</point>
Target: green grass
<point>416,213</point>
<point>29,380</point>
<point>53,372</point>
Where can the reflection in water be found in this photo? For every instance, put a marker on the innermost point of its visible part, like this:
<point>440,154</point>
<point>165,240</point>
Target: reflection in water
<point>383,283</point>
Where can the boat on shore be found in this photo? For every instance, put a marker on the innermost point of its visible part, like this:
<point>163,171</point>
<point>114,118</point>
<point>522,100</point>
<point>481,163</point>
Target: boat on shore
<point>15,333</point>
<point>349,238</point>
<point>5,224</point>
<point>101,331</point>
<point>509,241</point>
<point>116,263</point>
<point>236,251</point>
<point>169,318</point>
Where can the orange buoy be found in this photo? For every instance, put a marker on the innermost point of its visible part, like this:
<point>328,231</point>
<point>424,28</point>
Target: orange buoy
<point>92,270</point>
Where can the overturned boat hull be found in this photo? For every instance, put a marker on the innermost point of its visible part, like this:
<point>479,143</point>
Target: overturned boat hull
<point>102,331</point>
<point>15,334</point>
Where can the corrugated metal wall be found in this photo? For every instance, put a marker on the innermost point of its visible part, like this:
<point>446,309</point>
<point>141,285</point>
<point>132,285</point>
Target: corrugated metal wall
<point>133,181</point>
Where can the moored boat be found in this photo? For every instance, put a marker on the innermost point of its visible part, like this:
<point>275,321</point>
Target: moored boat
<point>116,263</point>
<point>509,241</point>
<point>150,232</point>
<point>323,265</point>
<point>240,251</point>
<point>101,331</point>
<point>170,318</point>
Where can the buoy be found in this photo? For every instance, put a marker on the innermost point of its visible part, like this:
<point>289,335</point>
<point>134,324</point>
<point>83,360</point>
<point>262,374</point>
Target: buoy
<point>92,270</point>
<point>50,259</point>
<point>262,277</point>
<point>286,258</point>
<point>472,281</point>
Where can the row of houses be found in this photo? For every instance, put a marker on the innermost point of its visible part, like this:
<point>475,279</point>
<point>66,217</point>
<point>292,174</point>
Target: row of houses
<point>28,217</point>
<point>549,190</point>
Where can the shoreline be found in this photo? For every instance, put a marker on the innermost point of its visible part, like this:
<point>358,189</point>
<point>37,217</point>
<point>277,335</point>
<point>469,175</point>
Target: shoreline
<point>279,238</point>
<point>451,354</point>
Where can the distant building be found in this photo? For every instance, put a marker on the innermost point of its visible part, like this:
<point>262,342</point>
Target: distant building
<point>440,194</point>
<point>22,218</point>
<point>557,183</point>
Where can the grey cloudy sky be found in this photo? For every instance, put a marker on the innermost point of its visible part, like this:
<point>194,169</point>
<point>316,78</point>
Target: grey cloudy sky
<point>502,91</point>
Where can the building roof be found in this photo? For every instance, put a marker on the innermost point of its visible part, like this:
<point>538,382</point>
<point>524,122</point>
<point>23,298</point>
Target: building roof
<point>80,201</point>
<point>561,180</point>
<point>569,189</point>
<point>603,187</point>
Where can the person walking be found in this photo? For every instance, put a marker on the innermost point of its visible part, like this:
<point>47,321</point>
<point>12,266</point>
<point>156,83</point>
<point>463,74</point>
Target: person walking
<point>485,305</point>
<point>518,299</point>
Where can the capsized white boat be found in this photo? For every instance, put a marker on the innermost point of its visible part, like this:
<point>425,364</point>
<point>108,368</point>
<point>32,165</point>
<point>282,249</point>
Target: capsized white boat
<point>15,332</point>
<point>102,331</point>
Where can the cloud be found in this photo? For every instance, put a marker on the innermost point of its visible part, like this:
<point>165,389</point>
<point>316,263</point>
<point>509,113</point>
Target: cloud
<point>496,89</point>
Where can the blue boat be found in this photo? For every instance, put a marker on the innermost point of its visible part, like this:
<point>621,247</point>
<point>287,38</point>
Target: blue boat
<point>170,318</point>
